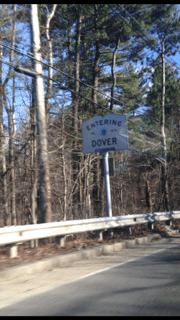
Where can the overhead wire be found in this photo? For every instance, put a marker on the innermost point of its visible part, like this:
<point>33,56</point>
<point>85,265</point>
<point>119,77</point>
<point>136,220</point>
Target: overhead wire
<point>101,106</point>
<point>98,104</point>
<point>77,79</point>
<point>63,88</point>
<point>97,91</point>
<point>140,26</point>
<point>85,85</point>
<point>165,57</point>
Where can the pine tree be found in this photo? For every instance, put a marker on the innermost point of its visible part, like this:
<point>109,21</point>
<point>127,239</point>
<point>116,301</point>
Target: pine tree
<point>166,28</point>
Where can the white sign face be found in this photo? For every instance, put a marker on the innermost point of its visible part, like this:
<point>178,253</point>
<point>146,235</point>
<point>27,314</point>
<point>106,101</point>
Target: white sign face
<point>108,133</point>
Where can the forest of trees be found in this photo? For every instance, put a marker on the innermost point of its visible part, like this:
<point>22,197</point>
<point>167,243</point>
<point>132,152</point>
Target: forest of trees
<point>63,64</point>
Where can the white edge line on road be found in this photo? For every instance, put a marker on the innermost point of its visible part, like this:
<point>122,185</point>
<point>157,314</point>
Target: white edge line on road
<point>83,277</point>
<point>121,263</point>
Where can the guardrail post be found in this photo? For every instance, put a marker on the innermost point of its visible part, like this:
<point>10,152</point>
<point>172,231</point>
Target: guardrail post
<point>12,250</point>
<point>107,187</point>
<point>110,232</point>
<point>99,235</point>
<point>150,225</point>
<point>169,223</point>
<point>60,240</point>
<point>34,243</point>
<point>128,230</point>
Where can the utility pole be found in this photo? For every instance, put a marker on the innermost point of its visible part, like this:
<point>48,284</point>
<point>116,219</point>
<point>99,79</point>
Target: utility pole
<point>44,179</point>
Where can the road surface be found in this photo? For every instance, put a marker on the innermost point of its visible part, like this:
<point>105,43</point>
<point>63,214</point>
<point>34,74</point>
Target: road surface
<point>139,281</point>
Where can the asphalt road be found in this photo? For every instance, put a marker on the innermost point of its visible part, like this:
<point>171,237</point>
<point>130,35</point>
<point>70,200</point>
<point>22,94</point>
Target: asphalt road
<point>148,285</point>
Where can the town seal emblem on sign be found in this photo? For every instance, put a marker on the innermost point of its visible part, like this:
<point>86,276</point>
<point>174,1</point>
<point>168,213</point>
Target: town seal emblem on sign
<point>103,131</point>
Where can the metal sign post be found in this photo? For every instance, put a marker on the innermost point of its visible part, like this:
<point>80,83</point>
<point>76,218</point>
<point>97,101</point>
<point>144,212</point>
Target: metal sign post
<point>107,187</point>
<point>107,184</point>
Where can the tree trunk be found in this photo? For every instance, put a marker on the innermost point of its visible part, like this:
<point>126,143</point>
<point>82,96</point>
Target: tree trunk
<point>50,62</point>
<point>6,216</point>
<point>75,157</point>
<point>113,73</point>
<point>34,175</point>
<point>11,127</point>
<point>13,198</point>
<point>96,63</point>
<point>11,124</point>
<point>165,190</point>
<point>87,195</point>
<point>33,158</point>
<point>44,175</point>
<point>96,188</point>
<point>64,168</point>
<point>148,196</point>
<point>121,196</point>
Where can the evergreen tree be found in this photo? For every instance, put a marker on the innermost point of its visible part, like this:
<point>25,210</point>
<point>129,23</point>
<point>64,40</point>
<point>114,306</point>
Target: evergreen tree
<point>166,27</point>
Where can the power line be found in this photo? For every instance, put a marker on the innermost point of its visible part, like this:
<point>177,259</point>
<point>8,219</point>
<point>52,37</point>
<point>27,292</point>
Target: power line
<point>83,96</point>
<point>136,139</point>
<point>138,24</point>
<point>141,27</point>
<point>147,39</point>
<point>147,130</point>
<point>88,85</point>
<point>33,73</point>
<point>129,14</point>
<point>63,88</point>
<point>152,132</point>
<point>58,70</point>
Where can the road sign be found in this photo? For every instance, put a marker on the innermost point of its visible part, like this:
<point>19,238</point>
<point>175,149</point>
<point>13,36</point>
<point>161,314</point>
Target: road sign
<point>102,134</point>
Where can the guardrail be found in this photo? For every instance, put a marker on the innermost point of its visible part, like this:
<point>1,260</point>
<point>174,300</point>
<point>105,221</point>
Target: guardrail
<point>14,234</point>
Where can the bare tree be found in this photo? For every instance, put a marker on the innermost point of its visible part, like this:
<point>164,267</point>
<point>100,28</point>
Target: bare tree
<point>50,60</point>
<point>64,167</point>
<point>75,157</point>
<point>113,72</point>
<point>2,147</point>
<point>11,123</point>
<point>165,190</point>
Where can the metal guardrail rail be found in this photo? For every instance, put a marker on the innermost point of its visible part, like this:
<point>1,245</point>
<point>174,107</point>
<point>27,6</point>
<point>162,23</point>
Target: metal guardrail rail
<point>15,234</point>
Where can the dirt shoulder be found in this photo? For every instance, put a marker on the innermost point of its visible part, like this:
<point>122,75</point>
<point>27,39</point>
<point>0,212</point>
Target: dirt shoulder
<point>74,243</point>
